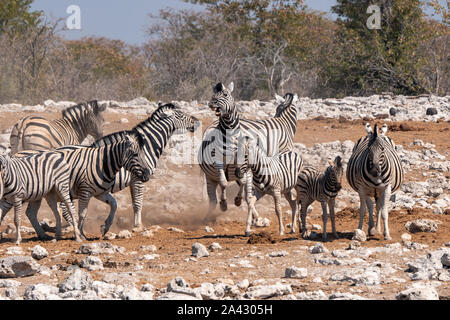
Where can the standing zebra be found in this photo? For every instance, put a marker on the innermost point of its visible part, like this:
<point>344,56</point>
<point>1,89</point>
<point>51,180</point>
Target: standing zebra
<point>217,154</point>
<point>155,132</point>
<point>313,185</point>
<point>93,171</point>
<point>31,178</point>
<point>375,170</point>
<point>37,133</point>
<point>274,175</point>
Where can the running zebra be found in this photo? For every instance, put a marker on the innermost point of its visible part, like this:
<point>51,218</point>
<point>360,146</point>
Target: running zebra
<point>273,175</point>
<point>217,155</point>
<point>31,178</point>
<point>37,133</point>
<point>313,185</point>
<point>93,172</point>
<point>156,131</point>
<point>375,170</point>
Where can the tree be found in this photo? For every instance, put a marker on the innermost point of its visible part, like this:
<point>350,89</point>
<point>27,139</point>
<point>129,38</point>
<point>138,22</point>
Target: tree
<point>16,17</point>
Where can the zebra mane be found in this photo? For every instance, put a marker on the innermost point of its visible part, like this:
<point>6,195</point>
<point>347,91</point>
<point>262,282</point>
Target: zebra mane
<point>80,106</point>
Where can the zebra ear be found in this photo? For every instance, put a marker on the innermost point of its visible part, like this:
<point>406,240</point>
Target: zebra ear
<point>384,129</point>
<point>218,87</point>
<point>231,87</point>
<point>295,99</point>
<point>338,161</point>
<point>279,99</point>
<point>368,128</point>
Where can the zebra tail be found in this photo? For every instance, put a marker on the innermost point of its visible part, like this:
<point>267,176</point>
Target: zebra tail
<point>15,139</point>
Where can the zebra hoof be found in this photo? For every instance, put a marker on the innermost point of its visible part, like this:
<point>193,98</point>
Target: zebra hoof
<point>248,233</point>
<point>45,237</point>
<point>372,232</point>
<point>387,238</point>
<point>238,201</point>
<point>223,205</point>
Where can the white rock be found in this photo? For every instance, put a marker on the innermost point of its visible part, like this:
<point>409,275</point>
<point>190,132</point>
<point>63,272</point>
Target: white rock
<point>295,272</point>
<point>39,252</point>
<point>318,248</point>
<point>419,293</point>
<point>359,235</point>
<point>77,280</point>
<point>214,246</point>
<point>124,234</point>
<point>17,267</point>
<point>268,291</point>
<point>41,291</point>
<point>199,250</point>
<point>421,225</point>
<point>92,263</point>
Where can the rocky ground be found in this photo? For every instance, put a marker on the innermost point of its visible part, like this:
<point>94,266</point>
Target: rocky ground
<point>184,254</point>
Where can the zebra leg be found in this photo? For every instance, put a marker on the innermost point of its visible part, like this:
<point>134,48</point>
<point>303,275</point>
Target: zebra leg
<point>385,195</point>
<point>137,198</point>
<point>4,209</point>
<point>303,212</point>
<point>251,205</point>
<point>17,217</point>
<point>108,199</point>
<point>293,203</point>
<point>240,194</point>
<point>277,199</point>
<point>223,183</point>
<point>211,189</point>
<point>52,202</point>
<point>362,209</point>
<point>324,219</point>
<point>369,204</point>
<point>83,202</point>
<point>331,206</point>
<point>31,213</point>
<point>63,194</point>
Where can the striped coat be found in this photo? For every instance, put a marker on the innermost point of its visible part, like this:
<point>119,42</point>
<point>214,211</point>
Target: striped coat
<point>37,133</point>
<point>217,155</point>
<point>313,185</point>
<point>375,170</point>
<point>156,131</point>
<point>274,175</point>
<point>31,178</point>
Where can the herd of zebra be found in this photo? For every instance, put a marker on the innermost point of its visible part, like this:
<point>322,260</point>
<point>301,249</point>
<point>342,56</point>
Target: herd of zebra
<point>47,161</point>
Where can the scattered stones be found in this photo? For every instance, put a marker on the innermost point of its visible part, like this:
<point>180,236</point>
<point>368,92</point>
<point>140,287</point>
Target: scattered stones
<point>424,292</point>
<point>359,235</point>
<point>214,246</point>
<point>77,280</point>
<point>96,248</point>
<point>92,263</point>
<point>175,229</point>
<point>199,250</point>
<point>294,272</point>
<point>14,250</point>
<point>124,234</point>
<point>110,236</point>
<point>421,225</point>
<point>17,267</point>
<point>345,296</point>
<point>262,222</point>
<point>312,295</point>
<point>268,291</point>
<point>41,291</point>
<point>209,229</point>
<point>39,252</point>
<point>275,254</point>
<point>431,111</point>
<point>318,248</point>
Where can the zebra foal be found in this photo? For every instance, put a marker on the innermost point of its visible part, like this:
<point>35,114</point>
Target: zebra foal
<point>273,175</point>
<point>313,185</point>
<point>77,122</point>
<point>375,170</point>
<point>31,178</point>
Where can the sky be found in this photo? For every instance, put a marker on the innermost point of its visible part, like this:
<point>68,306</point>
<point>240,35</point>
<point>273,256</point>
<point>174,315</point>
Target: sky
<point>124,19</point>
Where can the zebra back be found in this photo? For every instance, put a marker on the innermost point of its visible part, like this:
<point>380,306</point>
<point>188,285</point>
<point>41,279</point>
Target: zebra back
<point>37,133</point>
<point>374,163</point>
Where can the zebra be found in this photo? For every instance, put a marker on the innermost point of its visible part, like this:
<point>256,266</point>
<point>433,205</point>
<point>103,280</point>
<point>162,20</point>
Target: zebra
<point>156,131</point>
<point>93,171</point>
<point>273,175</point>
<point>313,185</point>
<point>37,133</point>
<point>216,156</point>
<point>31,178</point>
<point>375,170</point>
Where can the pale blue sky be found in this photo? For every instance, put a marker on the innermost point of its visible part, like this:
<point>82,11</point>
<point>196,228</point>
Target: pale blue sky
<point>125,19</point>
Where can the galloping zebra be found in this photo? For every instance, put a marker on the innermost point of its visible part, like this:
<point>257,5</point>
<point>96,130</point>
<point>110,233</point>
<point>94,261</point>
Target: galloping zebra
<point>93,171</point>
<point>155,132</point>
<point>375,170</point>
<point>313,185</point>
<point>37,133</point>
<point>31,178</point>
<point>217,154</point>
<point>274,175</point>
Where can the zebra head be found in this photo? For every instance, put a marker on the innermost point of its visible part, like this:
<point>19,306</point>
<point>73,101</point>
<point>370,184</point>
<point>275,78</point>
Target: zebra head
<point>180,121</point>
<point>376,153</point>
<point>94,119</point>
<point>222,101</point>
<point>134,158</point>
<point>284,103</point>
<point>335,173</point>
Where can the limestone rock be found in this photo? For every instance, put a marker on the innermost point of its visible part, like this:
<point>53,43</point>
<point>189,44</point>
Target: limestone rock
<point>17,267</point>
